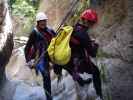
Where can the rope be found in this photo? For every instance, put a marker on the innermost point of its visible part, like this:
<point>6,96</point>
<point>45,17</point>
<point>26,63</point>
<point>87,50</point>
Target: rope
<point>63,21</point>
<point>67,15</point>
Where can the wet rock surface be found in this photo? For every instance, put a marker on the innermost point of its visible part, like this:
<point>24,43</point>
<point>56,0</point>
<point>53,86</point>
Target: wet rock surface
<point>30,85</point>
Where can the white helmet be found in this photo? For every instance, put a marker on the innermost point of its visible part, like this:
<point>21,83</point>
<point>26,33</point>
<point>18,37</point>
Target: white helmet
<point>41,16</point>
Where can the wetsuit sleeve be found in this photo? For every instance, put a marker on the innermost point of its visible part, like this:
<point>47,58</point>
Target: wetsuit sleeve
<point>88,44</point>
<point>28,46</point>
<point>85,40</point>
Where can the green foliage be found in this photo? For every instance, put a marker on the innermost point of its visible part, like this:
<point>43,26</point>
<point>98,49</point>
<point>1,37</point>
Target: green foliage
<point>26,10</point>
<point>103,75</point>
<point>23,8</point>
<point>103,72</point>
<point>102,54</point>
<point>108,95</point>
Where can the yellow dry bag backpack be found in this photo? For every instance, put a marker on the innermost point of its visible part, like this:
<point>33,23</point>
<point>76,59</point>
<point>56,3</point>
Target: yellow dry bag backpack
<point>59,50</point>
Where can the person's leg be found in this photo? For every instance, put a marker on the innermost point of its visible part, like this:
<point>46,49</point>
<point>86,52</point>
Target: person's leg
<point>93,69</point>
<point>47,84</point>
<point>72,69</point>
<point>58,71</point>
<point>82,66</point>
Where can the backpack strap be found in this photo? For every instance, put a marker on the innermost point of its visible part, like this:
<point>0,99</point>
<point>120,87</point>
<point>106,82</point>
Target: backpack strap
<point>35,30</point>
<point>50,31</point>
<point>42,37</point>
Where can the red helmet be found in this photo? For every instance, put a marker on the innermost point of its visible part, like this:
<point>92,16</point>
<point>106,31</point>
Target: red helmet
<point>89,15</point>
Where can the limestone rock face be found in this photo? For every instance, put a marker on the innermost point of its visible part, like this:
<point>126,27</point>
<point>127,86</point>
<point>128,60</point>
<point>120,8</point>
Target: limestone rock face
<point>116,40</point>
<point>6,38</point>
<point>56,10</point>
<point>6,42</point>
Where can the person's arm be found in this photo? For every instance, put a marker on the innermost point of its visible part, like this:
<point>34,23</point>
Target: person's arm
<point>89,44</point>
<point>28,46</point>
<point>51,31</point>
<point>84,39</point>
